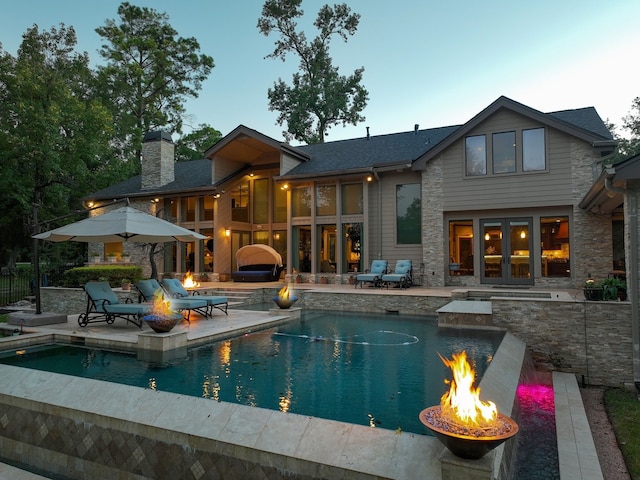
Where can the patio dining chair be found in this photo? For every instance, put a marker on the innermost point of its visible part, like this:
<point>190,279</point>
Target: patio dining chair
<point>176,290</point>
<point>104,306</point>
<point>148,288</point>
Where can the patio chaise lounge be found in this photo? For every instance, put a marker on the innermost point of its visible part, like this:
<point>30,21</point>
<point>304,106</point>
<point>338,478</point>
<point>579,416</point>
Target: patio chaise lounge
<point>177,291</point>
<point>148,288</point>
<point>374,275</point>
<point>401,276</point>
<point>104,306</point>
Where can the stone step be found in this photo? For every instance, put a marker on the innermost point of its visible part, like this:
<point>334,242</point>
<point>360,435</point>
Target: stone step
<point>466,313</point>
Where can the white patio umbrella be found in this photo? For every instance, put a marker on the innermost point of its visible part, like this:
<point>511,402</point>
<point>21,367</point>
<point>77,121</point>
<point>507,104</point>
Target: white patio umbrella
<point>122,224</point>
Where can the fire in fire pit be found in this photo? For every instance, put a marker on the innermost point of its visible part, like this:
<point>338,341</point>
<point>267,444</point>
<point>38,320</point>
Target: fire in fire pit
<point>189,282</point>
<point>162,318</point>
<point>285,298</point>
<point>466,425</point>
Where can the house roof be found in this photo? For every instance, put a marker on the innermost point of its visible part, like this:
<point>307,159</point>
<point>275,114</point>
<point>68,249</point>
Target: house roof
<point>583,123</point>
<point>406,149</point>
<point>368,153</point>
<point>606,193</point>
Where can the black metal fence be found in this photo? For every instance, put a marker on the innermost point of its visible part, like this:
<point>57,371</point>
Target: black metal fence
<point>19,283</point>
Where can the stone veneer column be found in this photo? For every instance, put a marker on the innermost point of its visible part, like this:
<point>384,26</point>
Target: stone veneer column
<point>591,234</point>
<point>432,226</point>
<point>157,160</point>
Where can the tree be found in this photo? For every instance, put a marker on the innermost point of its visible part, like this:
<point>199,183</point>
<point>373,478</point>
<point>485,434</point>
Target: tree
<point>150,72</point>
<point>53,132</point>
<point>193,145</point>
<point>319,96</point>
<point>631,123</point>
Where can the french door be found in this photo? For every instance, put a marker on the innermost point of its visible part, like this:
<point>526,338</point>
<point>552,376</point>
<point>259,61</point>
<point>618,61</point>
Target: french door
<point>507,251</point>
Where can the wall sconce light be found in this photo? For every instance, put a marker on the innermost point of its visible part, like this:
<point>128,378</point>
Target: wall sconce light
<point>155,200</point>
<point>251,174</point>
<point>90,204</point>
<point>284,186</point>
<point>369,178</point>
<point>227,232</point>
<point>216,195</point>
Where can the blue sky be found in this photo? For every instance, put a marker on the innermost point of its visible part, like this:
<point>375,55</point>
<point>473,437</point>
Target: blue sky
<point>428,63</point>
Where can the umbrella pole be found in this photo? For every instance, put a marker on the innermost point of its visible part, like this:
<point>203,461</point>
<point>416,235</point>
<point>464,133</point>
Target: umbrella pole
<point>36,260</point>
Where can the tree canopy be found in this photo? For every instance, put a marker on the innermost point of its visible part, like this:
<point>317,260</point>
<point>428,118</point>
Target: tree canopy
<point>150,72</point>
<point>53,132</point>
<point>193,145</point>
<point>319,97</point>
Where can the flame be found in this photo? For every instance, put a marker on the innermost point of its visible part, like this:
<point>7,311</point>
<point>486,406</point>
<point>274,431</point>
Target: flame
<point>284,293</point>
<point>188,281</point>
<point>161,307</point>
<point>462,402</point>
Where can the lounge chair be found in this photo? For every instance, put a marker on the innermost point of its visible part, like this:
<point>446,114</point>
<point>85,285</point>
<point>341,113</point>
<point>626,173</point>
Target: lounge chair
<point>374,275</point>
<point>104,306</point>
<point>176,290</point>
<point>148,288</point>
<point>401,276</point>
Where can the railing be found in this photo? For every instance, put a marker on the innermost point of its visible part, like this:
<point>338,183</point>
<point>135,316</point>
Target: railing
<point>19,283</point>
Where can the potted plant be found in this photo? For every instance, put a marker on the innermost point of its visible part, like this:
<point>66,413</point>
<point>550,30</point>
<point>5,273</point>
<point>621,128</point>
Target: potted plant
<point>613,289</point>
<point>204,277</point>
<point>126,257</point>
<point>324,280</point>
<point>112,257</point>
<point>592,290</point>
<point>125,283</point>
<point>95,256</point>
<point>352,279</point>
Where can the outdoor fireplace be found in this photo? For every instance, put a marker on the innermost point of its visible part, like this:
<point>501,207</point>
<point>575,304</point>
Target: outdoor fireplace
<point>466,425</point>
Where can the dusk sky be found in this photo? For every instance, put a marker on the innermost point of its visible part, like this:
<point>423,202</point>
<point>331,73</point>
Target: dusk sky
<point>428,63</point>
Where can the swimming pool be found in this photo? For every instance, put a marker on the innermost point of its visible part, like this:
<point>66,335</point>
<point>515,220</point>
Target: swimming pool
<point>368,369</point>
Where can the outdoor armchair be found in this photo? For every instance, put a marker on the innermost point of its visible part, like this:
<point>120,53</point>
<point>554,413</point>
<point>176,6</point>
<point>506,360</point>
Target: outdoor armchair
<point>148,288</point>
<point>104,306</point>
<point>374,275</point>
<point>401,275</point>
<point>176,290</point>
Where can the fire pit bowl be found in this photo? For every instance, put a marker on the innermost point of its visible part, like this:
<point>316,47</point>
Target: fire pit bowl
<point>162,324</point>
<point>285,303</point>
<point>469,442</point>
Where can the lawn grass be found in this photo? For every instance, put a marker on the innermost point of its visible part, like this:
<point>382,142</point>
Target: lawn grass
<point>623,409</point>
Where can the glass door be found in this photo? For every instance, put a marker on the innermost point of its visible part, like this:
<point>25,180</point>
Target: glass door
<point>506,246</point>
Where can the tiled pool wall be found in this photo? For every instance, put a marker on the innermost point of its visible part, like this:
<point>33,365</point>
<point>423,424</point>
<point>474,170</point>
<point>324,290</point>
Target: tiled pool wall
<point>82,428</point>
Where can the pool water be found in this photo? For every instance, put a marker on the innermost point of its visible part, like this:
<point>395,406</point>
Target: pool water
<point>377,370</point>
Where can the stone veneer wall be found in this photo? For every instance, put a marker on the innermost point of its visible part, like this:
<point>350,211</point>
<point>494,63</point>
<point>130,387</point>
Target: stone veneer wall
<point>590,339</point>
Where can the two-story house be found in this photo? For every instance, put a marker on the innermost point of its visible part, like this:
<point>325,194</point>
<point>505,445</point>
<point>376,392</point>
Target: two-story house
<point>496,200</point>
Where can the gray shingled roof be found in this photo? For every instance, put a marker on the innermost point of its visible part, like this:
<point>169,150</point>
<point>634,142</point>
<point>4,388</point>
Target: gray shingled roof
<point>366,153</point>
<point>586,118</point>
<point>358,154</point>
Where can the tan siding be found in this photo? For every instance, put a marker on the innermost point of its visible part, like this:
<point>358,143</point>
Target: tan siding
<point>390,250</point>
<point>526,190</point>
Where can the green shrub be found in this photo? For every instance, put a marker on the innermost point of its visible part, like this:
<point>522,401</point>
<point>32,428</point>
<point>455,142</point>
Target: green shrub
<point>77,277</point>
<point>623,409</point>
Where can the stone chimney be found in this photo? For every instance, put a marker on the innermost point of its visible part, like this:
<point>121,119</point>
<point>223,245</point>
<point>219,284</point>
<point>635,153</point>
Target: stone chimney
<point>157,160</point>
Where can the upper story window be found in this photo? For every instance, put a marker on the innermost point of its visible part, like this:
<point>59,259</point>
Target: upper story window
<point>352,199</point>
<point>279,204</point>
<point>325,200</point>
<point>504,152</point>
<point>508,152</point>
<point>240,203</point>
<point>408,214</point>
<point>188,209</point>
<point>206,208</point>
<point>533,150</point>
<point>476,155</point>
<point>261,200</point>
<point>301,202</point>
